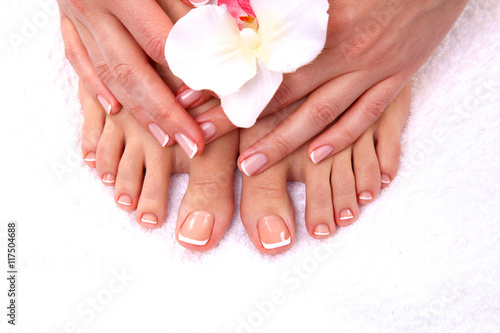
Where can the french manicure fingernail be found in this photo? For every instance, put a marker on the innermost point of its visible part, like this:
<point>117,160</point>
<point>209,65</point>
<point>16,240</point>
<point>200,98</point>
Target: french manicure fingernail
<point>345,214</point>
<point>198,3</point>
<point>108,179</point>
<point>90,157</point>
<point>273,232</point>
<point>160,135</point>
<point>125,200</point>
<point>254,163</point>
<point>149,218</point>
<point>386,179</point>
<point>105,104</point>
<point>197,228</point>
<point>187,144</point>
<point>321,153</point>
<point>365,195</point>
<point>188,97</point>
<point>209,130</point>
<point>321,230</point>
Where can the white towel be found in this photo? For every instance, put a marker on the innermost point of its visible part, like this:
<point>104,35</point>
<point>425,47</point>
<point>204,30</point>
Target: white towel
<point>424,257</point>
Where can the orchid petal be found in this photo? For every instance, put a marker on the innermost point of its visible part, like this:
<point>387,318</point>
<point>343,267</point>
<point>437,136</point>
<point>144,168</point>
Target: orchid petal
<point>292,32</point>
<point>244,106</point>
<point>205,50</point>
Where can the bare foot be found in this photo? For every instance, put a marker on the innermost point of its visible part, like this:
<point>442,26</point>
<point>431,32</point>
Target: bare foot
<point>334,188</point>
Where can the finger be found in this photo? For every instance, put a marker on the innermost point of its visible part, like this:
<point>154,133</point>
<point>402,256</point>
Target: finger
<point>367,109</point>
<point>189,98</point>
<point>78,57</point>
<point>320,109</point>
<point>125,66</point>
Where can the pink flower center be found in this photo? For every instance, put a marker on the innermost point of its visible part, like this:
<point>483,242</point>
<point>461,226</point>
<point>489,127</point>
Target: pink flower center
<point>239,9</point>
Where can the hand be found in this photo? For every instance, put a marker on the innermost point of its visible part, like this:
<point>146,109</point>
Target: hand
<point>372,51</point>
<point>108,44</point>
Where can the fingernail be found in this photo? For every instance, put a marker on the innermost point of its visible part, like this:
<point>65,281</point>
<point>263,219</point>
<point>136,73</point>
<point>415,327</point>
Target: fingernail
<point>108,179</point>
<point>159,134</point>
<point>386,179</point>
<point>105,104</point>
<point>209,130</point>
<point>321,230</point>
<point>345,214</point>
<point>90,157</point>
<point>273,232</point>
<point>321,153</point>
<point>197,228</point>
<point>198,3</point>
<point>125,200</point>
<point>187,144</point>
<point>365,195</point>
<point>188,97</point>
<point>254,163</point>
<point>149,218</point>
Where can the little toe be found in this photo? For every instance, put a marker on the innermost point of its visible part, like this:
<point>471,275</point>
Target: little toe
<point>343,184</point>
<point>208,205</point>
<point>366,168</point>
<point>93,124</point>
<point>130,177</point>
<point>109,151</point>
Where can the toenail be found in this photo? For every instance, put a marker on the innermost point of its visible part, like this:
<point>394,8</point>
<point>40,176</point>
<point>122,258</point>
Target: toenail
<point>188,97</point>
<point>254,163</point>
<point>160,135</point>
<point>125,200</point>
<point>187,144</point>
<point>108,178</point>
<point>365,195</point>
<point>209,130</point>
<point>321,153</point>
<point>321,230</point>
<point>273,232</point>
<point>345,214</point>
<point>90,157</point>
<point>149,218</point>
<point>386,179</point>
<point>197,228</point>
<point>105,104</point>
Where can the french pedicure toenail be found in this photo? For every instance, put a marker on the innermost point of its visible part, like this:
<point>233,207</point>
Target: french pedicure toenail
<point>273,232</point>
<point>159,134</point>
<point>345,214</point>
<point>188,97</point>
<point>321,230</point>
<point>149,218</point>
<point>386,179</point>
<point>108,179</point>
<point>321,153</point>
<point>105,104</point>
<point>197,228</point>
<point>365,195</point>
<point>198,3</point>
<point>254,163</point>
<point>209,130</point>
<point>90,157</point>
<point>125,200</point>
<point>187,144</point>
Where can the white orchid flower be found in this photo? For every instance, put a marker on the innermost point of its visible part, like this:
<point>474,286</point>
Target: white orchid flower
<point>207,50</point>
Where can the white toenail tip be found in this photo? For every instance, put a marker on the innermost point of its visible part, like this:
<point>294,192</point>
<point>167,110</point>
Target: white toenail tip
<point>90,159</point>
<point>346,218</point>
<point>366,198</point>
<point>276,245</point>
<point>148,221</point>
<point>193,241</point>
<point>386,181</point>
<point>109,181</point>
<point>124,203</point>
<point>321,233</point>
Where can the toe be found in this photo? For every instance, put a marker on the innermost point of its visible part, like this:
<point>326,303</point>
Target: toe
<point>266,210</point>
<point>130,177</point>
<point>345,203</point>
<point>93,125</point>
<point>109,151</point>
<point>366,168</point>
<point>208,205</point>
<point>319,213</point>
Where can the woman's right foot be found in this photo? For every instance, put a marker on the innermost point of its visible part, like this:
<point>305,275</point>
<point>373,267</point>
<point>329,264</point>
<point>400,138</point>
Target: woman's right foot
<point>334,188</point>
